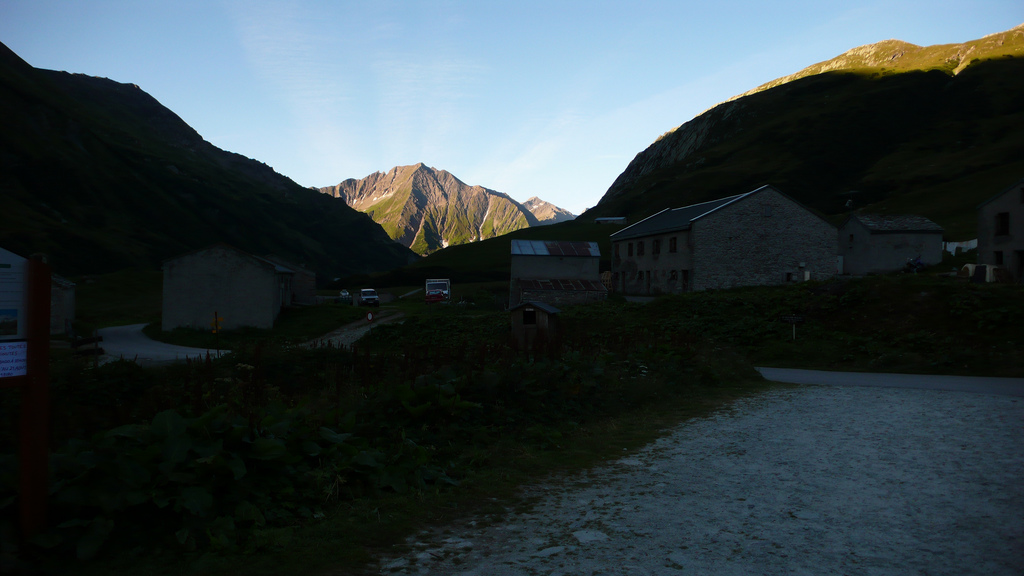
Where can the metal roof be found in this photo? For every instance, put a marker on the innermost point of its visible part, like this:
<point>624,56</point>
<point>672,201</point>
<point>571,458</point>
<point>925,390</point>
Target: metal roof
<point>672,219</point>
<point>554,248</point>
<point>565,285</point>
<point>535,304</point>
<point>897,223</point>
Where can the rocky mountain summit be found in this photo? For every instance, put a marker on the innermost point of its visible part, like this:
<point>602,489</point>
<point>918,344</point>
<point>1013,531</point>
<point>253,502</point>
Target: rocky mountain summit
<point>546,212</point>
<point>427,209</point>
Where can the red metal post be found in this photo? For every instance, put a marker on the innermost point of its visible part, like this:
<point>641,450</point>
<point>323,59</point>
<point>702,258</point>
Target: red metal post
<point>34,428</point>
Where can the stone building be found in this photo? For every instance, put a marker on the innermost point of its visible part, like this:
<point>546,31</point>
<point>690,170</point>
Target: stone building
<point>878,243</point>
<point>303,285</point>
<point>223,281</point>
<point>1001,231</point>
<point>762,237</point>
<point>555,272</point>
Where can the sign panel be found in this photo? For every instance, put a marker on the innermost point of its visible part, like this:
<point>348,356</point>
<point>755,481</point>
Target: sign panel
<point>13,359</point>
<point>13,303</point>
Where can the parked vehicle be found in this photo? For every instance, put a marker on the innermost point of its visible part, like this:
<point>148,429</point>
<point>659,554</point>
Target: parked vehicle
<point>368,297</point>
<point>344,297</point>
<point>438,290</point>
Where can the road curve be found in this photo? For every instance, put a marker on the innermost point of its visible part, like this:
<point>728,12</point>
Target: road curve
<point>130,343</point>
<point>976,384</point>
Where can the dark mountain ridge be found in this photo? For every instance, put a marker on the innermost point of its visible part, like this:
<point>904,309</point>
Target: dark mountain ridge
<point>100,176</point>
<point>890,127</point>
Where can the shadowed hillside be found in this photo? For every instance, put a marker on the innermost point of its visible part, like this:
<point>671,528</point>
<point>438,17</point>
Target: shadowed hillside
<point>934,135</point>
<point>100,176</point>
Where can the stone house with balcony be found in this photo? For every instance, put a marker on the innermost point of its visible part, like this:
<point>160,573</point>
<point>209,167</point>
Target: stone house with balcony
<point>761,237</point>
<point>880,243</point>
<point>1001,231</point>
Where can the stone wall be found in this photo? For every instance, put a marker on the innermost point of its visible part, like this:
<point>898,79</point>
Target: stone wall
<point>865,252</point>
<point>656,271</point>
<point>562,298</point>
<point>240,289</point>
<point>763,239</point>
<point>549,267</point>
<point>1009,245</point>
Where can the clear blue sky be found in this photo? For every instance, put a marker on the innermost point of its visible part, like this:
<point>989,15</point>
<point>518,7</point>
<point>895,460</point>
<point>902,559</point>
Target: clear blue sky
<point>549,99</point>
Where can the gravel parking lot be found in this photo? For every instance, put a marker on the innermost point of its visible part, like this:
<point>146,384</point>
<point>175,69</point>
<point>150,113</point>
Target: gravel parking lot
<point>798,480</point>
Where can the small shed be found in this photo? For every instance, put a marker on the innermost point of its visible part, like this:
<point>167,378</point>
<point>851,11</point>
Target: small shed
<point>303,285</point>
<point>534,323</point>
<point>879,243</point>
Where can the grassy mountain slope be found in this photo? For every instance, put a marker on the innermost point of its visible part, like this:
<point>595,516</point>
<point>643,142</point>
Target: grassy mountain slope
<point>889,127</point>
<point>100,176</point>
<point>428,209</point>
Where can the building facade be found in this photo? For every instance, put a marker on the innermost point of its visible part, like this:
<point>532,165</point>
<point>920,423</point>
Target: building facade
<point>1001,231</point>
<point>879,243</point>
<point>762,237</point>
<point>223,282</point>
<point>555,272</point>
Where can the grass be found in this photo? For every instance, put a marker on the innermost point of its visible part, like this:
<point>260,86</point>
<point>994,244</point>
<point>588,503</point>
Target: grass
<point>903,322</point>
<point>356,532</point>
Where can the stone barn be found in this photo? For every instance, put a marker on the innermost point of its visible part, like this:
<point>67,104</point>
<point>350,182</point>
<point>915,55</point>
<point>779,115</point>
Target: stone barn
<point>762,237</point>
<point>243,289</point>
<point>879,243</point>
<point>534,324</point>
<point>555,272</point>
<point>1001,231</point>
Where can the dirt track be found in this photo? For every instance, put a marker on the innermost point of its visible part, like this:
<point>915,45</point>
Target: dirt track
<point>798,480</point>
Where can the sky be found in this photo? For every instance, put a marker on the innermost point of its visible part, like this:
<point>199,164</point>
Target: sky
<point>531,98</point>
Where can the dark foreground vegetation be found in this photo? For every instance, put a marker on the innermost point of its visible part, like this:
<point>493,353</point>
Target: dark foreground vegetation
<point>281,458</point>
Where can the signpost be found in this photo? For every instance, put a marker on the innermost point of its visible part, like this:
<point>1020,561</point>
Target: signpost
<point>794,320</point>
<point>25,364</point>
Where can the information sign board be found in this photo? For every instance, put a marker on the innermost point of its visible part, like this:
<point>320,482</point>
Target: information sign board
<point>13,359</point>
<point>13,297</point>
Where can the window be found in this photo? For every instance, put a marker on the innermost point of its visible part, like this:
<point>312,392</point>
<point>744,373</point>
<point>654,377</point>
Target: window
<point>672,245</point>
<point>656,246</point>
<point>629,249</point>
<point>1003,224</point>
<point>616,249</point>
<point>640,248</point>
<point>529,317</point>
<point>639,274</point>
<point>673,276</point>
<point>998,257</point>
<point>851,239</point>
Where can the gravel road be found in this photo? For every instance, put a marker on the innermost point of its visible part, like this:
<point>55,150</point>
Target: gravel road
<point>797,480</point>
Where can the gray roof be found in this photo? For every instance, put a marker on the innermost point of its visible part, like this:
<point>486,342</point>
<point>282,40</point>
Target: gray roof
<point>673,219</point>
<point>554,248</point>
<point>535,304</point>
<point>883,223</point>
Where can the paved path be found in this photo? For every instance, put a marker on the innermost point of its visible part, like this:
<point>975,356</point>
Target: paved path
<point>977,384</point>
<point>800,480</point>
<point>130,343</point>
